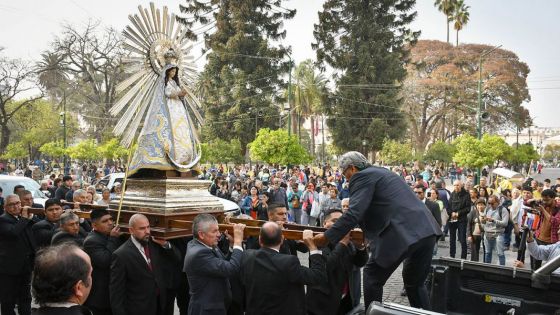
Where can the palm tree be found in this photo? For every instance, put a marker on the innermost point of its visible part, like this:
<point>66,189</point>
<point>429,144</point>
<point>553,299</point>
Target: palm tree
<point>446,7</point>
<point>309,91</point>
<point>460,16</point>
<point>51,72</point>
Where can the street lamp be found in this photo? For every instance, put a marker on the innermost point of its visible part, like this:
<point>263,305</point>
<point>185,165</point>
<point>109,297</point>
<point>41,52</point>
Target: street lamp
<point>364,143</point>
<point>479,111</point>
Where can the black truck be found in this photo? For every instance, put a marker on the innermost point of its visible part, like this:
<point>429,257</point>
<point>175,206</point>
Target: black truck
<point>463,287</point>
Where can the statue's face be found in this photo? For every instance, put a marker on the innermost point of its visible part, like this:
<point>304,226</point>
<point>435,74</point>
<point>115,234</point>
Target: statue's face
<point>172,72</point>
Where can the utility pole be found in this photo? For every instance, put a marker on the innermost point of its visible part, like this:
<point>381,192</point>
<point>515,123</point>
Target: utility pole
<point>479,110</point>
<point>65,162</point>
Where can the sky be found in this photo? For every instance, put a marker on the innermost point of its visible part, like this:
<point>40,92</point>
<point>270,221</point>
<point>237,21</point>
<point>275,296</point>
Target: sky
<point>525,27</point>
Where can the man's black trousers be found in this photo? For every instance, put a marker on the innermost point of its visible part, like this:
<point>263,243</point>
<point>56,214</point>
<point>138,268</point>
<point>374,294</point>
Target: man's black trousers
<point>416,267</point>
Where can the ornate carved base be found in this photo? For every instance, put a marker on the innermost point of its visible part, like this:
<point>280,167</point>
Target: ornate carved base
<point>166,199</point>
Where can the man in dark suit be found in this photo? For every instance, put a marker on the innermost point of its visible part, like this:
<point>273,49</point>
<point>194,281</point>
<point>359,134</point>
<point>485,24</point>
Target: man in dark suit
<point>337,297</point>
<point>274,282</point>
<point>394,221</point>
<point>62,280</point>
<point>44,230</point>
<point>100,245</point>
<point>69,230</point>
<point>17,251</point>
<point>207,269</point>
<point>66,185</point>
<point>420,192</point>
<point>278,213</point>
<point>137,284</point>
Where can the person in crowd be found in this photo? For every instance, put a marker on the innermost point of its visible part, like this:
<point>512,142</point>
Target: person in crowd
<point>267,274</point>
<point>394,221</point>
<point>100,244</point>
<point>236,193</point>
<point>208,269</point>
<point>261,210</point>
<point>341,261</point>
<point>137,284</point>
<point>540,252</point>
<point>483,193</point>
<point>277,193</point>
<point>116,191</point>
<point>495,222</point>
<point>62,281</point>
<point>1,201</point>
<point>345,204</point>
<point>76,185</point>
<point>69,230</point>
<point>105,197</point>
<point>44,230</point>
<point>223,191</point>
<point>473,193</point>
<point>543,235</point>
<point>475,228</point>
<point>332,203</point>
<point>17,252</point>
<point>26,198</point>
<point>459,207</point>
<point>515,213</point>
<point>251,202</point>
<point>294,202</point>
<point>94,195</point>
<point>309,197</point>
<point>45,188</point>
<point>433,207</point>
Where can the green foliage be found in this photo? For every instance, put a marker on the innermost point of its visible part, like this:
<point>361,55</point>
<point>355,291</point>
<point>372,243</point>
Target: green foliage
<point>551,151</point>
<point>16,150</point>
<point>85,150</point>
<point>522,155</point>
<point>218,150</point>
<point>472,152</point>
<point>363,41</point>
<point>276,147</point>
<point>440,151</point>
<point>396,152</point>
<point>53,148</point>
<point>111,149</point>
<point>241,83</point>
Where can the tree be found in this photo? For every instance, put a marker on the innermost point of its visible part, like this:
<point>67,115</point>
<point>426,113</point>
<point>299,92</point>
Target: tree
<point>17,79</point>
<point>441,91</point>
<point>472,152</point>
<point>85,150</point>
<point>277,147</point>
<point>460,17</point>
<point>396,152</point>
<point>91,67</point>
<point>551,151</point>
<point>440,151</point>
<point>15,150</point>
<point>309,93</point>
<point>112,150</point>
<point>446,7</point>
<point>53,149</point>
<point>523,154</point>
<point>363,41</point>
<point>221,151</point>
<point>243,77</point>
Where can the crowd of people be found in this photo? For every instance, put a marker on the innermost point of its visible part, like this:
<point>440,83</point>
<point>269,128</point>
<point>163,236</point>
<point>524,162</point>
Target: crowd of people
<point>67,261</point>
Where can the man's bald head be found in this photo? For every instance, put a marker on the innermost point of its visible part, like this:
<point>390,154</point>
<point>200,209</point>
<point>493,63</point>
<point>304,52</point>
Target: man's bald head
<point>271,235</point>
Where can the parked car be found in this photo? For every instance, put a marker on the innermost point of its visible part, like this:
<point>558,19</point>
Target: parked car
<point>8,183</point>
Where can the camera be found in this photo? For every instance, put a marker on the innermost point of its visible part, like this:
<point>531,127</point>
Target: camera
<point>534,203</point>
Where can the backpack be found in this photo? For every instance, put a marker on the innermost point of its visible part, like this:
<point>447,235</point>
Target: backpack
<point>295,201</point>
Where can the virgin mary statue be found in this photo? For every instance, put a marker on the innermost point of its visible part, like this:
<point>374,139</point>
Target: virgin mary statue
<point>167,140</point>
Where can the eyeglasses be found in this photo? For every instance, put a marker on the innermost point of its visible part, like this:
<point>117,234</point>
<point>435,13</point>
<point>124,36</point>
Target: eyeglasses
<point>419,192</point>
<point>12,204</point>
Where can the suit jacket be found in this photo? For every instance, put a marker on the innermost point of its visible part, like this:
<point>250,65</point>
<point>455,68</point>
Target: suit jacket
<point>17,245</point>
<point>434,210</point>
<point>388,212</point>
<point>274,282</point>
<point>134,288</point>
<point>208,272</point>
<point>73,310</point>
<point>460,202</point>
<point>100,248</point>
<point>341,259</point>
<point>64,237</point>
<point>43,232</point>
<point>288,247</point>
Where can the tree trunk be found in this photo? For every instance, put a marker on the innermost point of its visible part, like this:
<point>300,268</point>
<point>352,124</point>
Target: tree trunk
<point>457,38</point>
<point>5,140</point>
<point>312,136</point>
<point>447,22</point>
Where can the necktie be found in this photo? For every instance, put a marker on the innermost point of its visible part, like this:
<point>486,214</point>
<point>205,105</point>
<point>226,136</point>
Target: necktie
<point>148,257</point>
